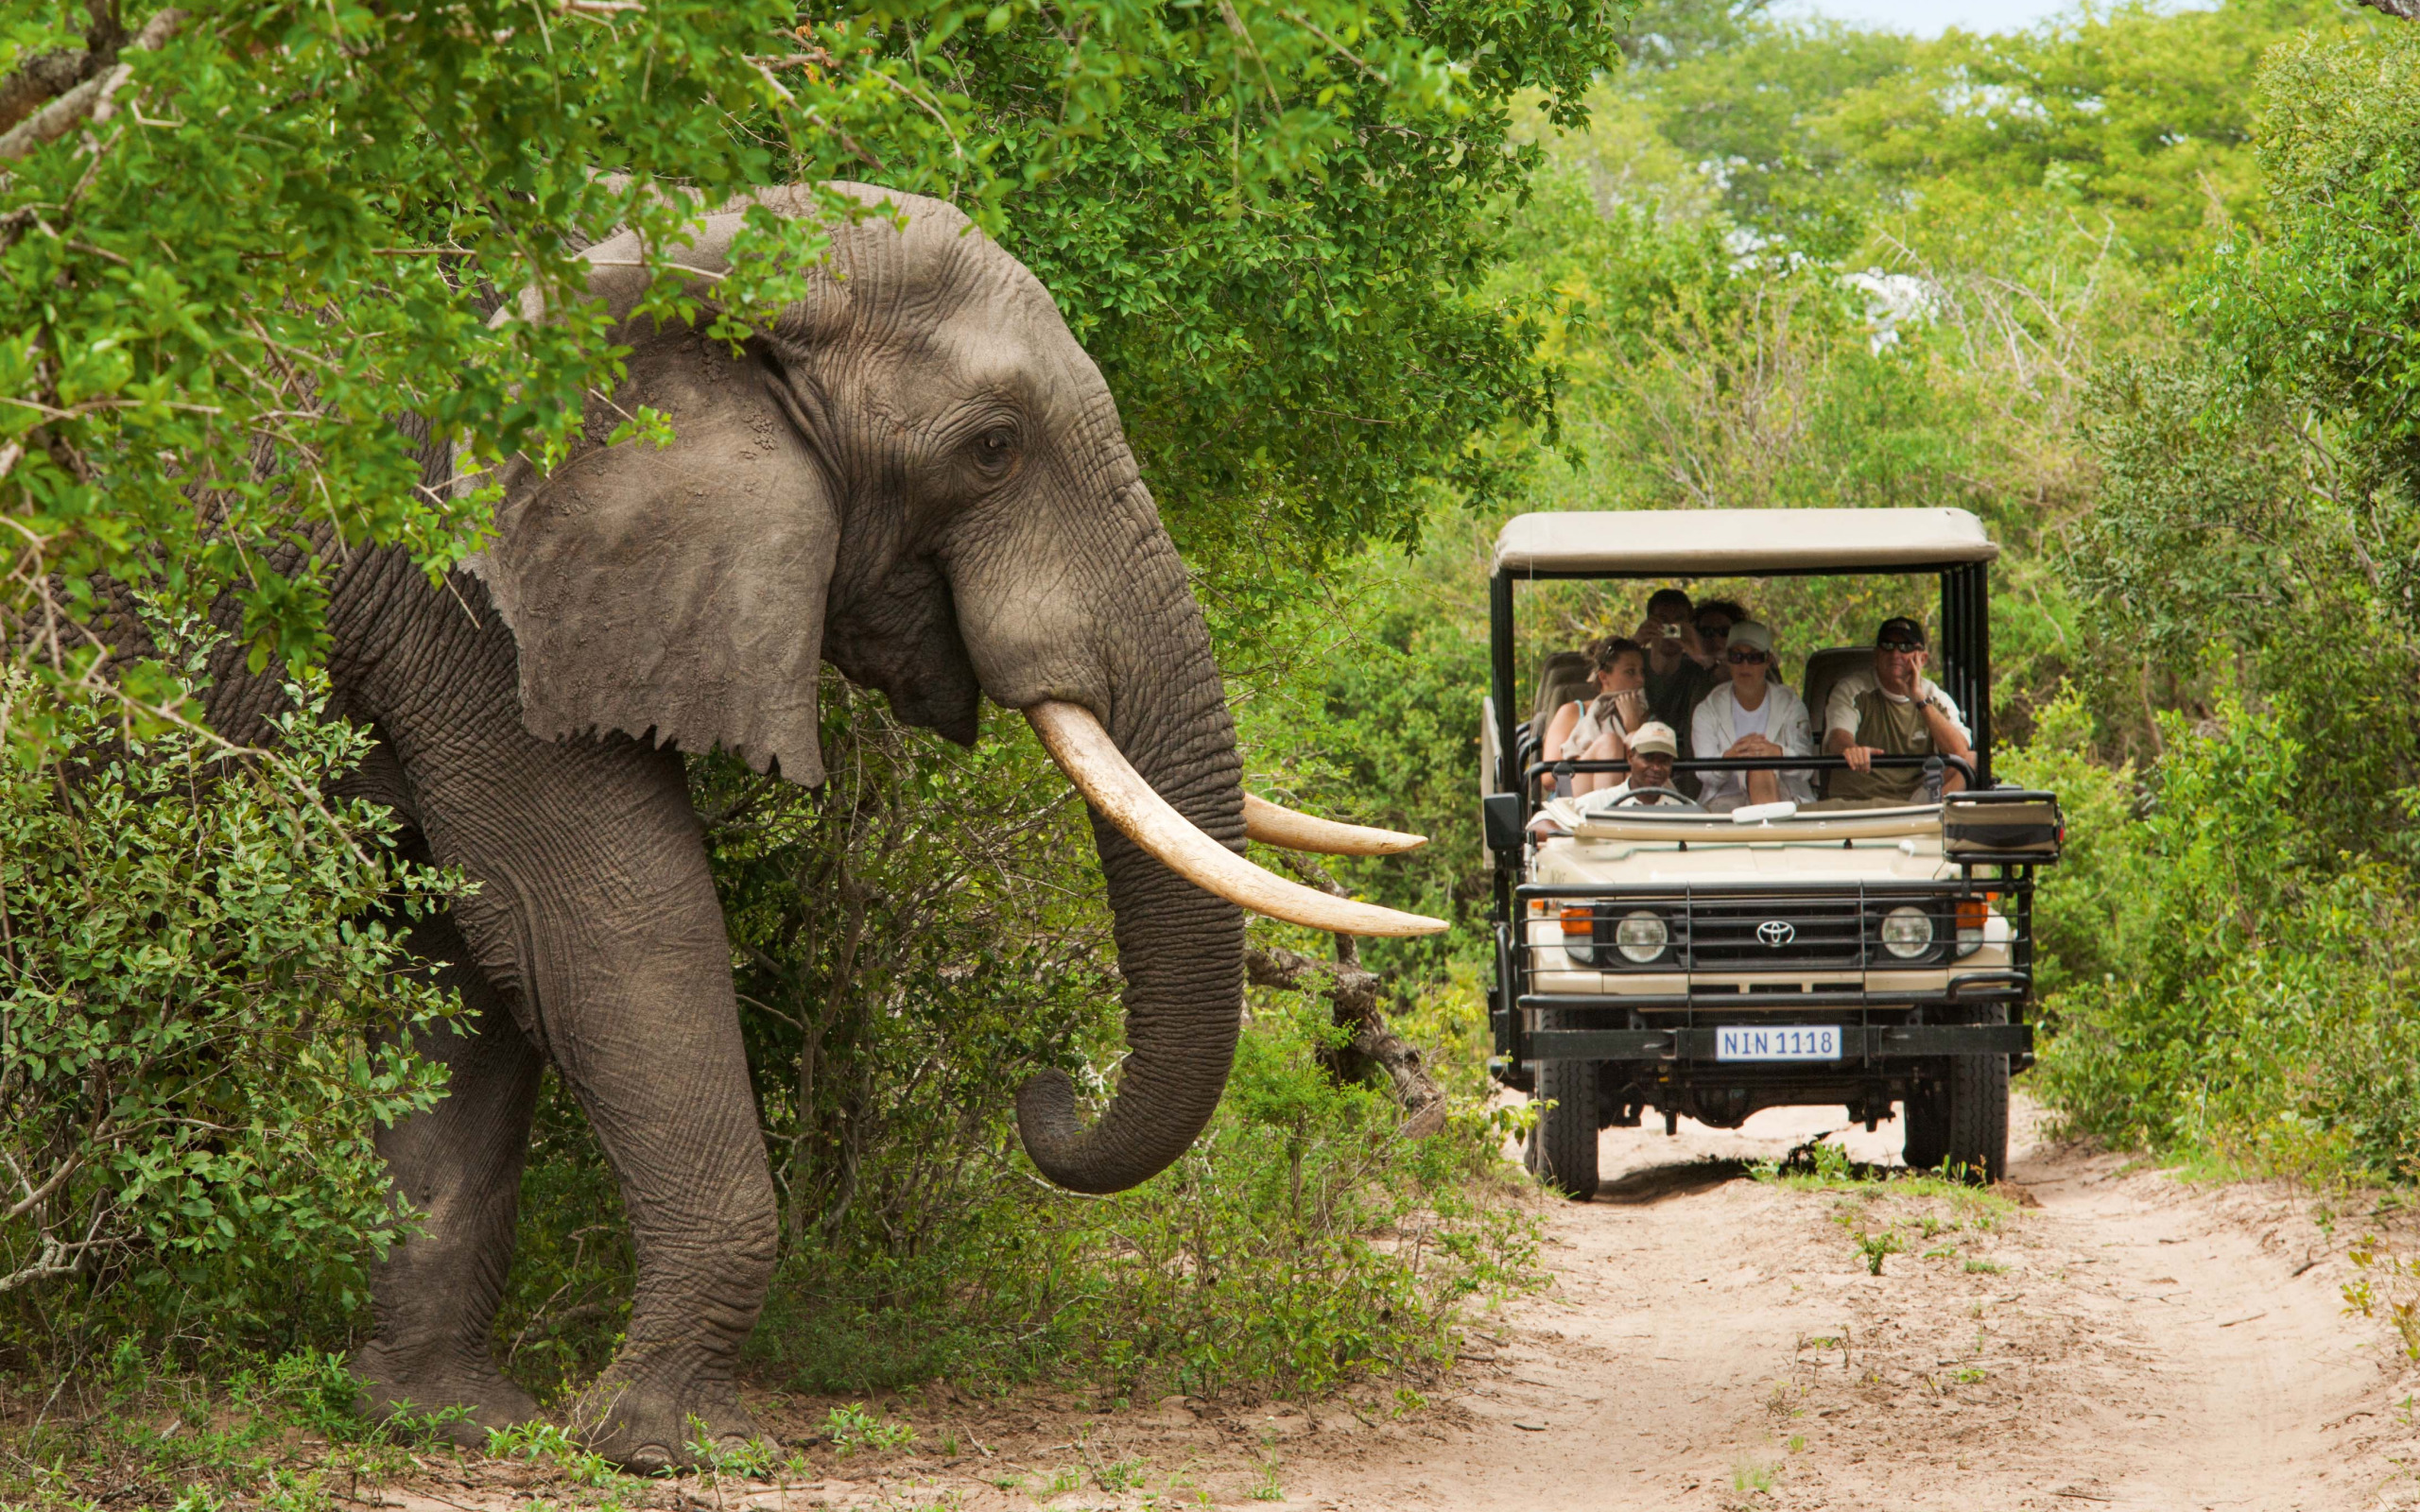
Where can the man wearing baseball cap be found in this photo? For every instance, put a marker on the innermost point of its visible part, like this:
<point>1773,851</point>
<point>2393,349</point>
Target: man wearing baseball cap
<point>1652,748</point>
<point>1892,708</point>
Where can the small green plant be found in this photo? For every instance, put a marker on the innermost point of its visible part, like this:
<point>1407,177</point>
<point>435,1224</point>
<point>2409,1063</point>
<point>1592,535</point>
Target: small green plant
<point>1797,1444</point>
<point>1062,1480</point>
<point>1941,1252</point>
<point>1970,1375</point>
<point>1267,1488</point>
<point>753,1460</point>
<point>853,1428</point>
<point>1120,1475</point>
<point>546,1441</point>
<point>1874,1246</point>
<point>2389,1282</point>
<point>1749,1477</point>
<point>1984,1268</point>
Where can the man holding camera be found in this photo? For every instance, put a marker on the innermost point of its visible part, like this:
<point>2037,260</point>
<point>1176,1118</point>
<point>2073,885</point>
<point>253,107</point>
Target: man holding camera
<point>1892,708</point>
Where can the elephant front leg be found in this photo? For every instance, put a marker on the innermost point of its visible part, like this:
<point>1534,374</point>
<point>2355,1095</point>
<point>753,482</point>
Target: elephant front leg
<point>595,902</point>
<point>435,1295</point>
<point>653,1049</point>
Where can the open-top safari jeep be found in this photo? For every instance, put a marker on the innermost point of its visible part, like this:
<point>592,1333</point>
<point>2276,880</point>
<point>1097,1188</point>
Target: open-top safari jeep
<point>1715,963</point>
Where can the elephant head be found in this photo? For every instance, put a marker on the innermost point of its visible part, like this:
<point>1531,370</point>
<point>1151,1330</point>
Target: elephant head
<point>917,474</point>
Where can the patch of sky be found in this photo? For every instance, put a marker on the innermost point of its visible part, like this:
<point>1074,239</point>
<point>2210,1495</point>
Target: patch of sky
<point>1931,18</point>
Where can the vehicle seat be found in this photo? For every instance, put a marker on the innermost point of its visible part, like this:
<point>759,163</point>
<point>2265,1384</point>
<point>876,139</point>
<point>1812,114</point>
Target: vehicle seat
<point>1824,669</point>
<point>1562,677</point>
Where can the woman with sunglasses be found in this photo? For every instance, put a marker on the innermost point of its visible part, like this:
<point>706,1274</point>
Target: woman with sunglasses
<point>1753,715</point>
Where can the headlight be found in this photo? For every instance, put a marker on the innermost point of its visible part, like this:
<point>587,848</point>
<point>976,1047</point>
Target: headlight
<point>1641,936</point>
<point>1907,932</point>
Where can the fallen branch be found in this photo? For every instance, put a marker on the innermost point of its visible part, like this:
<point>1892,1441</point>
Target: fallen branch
<point>39,80</point>
<point>52,121</point>
<point>1352,996</point>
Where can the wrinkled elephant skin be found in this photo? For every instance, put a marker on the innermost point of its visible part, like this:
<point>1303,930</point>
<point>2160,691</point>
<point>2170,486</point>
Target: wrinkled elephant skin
<point>915,475</point>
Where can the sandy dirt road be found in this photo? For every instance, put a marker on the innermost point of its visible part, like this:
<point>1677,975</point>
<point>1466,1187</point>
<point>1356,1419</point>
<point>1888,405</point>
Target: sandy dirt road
<point>2129,1342</point>
<point>2114,1338</point>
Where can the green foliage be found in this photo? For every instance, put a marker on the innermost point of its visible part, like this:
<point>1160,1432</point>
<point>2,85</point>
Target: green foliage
<point>201,995</point>
<point>276,1432</point>
<point>1302,1244</point>
<point>294,222</point>
<point>853,1428</point>
<point>2252,546</point>
<point>2252,1000</point>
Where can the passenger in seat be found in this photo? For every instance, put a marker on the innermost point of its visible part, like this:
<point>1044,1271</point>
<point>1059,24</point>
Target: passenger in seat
<point>1892,708</point>
<point>1652,749</point>
<point>1619,706</point>
<point>1753,715</point>
<point>1713,623</point>
<point>1677,675</point>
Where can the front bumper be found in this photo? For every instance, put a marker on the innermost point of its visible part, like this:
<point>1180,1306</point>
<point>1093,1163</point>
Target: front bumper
<point>1860,1043</point>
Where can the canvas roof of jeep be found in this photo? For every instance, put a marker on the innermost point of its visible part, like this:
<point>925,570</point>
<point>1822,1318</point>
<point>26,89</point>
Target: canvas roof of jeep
<point>1737,542</point>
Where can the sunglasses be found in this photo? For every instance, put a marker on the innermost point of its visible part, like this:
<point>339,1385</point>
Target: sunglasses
<point>1745,659</point>
<point>1717,631</point>
<point>1899,645</point>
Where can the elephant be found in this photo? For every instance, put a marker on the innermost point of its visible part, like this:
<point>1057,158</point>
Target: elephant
<point>916,474</point>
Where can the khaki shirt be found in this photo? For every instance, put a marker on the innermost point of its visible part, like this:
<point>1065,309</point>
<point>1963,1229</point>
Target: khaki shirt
<point>1889,725</point>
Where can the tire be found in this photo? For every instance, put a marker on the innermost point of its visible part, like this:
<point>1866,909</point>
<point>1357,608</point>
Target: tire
<point>1962,1122</point>
<point>1927,1131</point>
<point>1563,1146</point>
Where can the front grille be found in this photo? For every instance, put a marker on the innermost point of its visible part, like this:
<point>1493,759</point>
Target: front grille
<point>1775,934</point>
<point>1747,930</point>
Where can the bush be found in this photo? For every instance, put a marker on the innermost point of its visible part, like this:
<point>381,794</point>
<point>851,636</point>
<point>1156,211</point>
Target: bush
<point>2248,999</point>
<point>198,984</point>
<point>1302,1244</point>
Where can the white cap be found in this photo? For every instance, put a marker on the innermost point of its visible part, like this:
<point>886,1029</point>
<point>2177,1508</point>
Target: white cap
<point>1655,738</point>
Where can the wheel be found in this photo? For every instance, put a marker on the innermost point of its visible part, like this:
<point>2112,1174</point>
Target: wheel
<point>1962,1121</point>
<point>1563,1146</point>
<point>1928,1132</point>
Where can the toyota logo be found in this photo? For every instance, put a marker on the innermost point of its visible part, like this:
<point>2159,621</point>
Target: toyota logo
<point>1776,932</point>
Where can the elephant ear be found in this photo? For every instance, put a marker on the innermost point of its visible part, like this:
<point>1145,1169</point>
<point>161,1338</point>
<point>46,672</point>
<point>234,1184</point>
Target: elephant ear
<point>674,594</point>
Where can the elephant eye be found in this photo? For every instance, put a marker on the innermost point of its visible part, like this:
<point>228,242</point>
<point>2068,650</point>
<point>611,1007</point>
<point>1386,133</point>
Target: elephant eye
<point>995,449</point>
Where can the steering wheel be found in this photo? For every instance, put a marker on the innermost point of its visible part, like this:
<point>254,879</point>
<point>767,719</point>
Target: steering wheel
<point>1640,795</point>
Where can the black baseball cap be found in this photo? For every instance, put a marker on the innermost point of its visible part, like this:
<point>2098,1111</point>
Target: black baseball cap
<point>1901,630</point>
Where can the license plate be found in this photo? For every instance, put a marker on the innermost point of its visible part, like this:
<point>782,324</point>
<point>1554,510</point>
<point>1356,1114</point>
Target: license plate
<point>1785,1041</point>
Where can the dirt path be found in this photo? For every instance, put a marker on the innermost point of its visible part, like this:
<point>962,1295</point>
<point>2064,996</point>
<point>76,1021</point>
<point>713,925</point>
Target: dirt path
<point>2113,1339</point>
<point>2129,1342</point>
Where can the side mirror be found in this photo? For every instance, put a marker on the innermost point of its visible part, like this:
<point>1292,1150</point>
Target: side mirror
<point>2008,825</point>
<point>1500,815</point>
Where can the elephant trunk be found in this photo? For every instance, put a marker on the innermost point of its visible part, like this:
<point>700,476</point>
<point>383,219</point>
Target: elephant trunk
<point>1180,948</point>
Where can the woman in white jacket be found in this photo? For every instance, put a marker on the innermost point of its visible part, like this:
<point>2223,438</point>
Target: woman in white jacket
<point>1751,716</point>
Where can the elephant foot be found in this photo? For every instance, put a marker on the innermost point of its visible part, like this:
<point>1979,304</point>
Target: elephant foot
<point>646,1426</point>
<point>394,1385</point>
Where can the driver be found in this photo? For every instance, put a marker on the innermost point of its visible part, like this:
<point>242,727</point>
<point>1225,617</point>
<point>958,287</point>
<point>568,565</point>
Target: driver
<point>1652,747</point>
<point>1892,708</point>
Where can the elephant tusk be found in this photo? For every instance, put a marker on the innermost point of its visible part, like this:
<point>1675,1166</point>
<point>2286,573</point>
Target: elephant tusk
<point>1110,782</point>
<point>1275,824</point>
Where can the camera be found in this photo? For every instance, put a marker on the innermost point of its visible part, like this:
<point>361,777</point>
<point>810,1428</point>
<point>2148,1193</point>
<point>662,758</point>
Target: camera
<point>1671,632</point>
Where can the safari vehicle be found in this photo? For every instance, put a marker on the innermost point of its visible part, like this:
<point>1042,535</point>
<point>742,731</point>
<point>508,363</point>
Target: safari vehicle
<point>1712,964</point>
